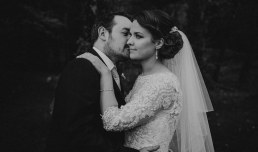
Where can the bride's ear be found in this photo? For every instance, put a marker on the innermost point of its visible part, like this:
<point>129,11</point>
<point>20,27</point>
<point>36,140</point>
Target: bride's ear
<point>103,33</point>
<point>159,43</point>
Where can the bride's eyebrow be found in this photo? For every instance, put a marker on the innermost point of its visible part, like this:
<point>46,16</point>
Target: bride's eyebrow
<point>139,33</point>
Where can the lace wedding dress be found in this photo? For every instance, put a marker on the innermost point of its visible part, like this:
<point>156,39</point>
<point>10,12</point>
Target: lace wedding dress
<point>151,113</point>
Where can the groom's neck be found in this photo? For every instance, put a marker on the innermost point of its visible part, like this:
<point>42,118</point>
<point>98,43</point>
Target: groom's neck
<point>101,47</point>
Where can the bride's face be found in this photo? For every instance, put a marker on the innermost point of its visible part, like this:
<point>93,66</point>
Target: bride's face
<point>141,44</point>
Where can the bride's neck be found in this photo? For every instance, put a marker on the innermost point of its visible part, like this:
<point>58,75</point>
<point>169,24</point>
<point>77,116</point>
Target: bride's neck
<point>150,66</point>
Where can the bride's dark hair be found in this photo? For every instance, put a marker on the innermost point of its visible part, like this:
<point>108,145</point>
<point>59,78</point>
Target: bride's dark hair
<point>159,24</point>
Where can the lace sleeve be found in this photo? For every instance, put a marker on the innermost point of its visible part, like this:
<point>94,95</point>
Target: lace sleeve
<point>145,104</point>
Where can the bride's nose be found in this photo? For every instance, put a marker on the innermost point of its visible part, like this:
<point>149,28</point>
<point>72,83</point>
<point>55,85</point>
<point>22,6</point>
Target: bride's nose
<point>130,41</point>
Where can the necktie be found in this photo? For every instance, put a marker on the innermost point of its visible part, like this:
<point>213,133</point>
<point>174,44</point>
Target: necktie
<point>116,77</point>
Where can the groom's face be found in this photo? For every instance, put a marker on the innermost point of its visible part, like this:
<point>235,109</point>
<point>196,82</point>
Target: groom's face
<point>116,45</point>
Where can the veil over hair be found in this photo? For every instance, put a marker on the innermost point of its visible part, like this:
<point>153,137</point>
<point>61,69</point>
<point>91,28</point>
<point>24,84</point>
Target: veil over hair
<point>192,133</point>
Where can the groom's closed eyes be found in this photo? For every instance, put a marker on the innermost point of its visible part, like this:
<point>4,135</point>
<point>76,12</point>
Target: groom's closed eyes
<point>126,32</point>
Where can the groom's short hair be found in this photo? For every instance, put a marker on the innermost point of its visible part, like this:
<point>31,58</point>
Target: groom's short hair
<point>107,21</point>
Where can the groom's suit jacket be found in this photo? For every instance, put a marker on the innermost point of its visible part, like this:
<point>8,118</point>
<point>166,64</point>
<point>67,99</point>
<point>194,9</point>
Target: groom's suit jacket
<point>76,122</point>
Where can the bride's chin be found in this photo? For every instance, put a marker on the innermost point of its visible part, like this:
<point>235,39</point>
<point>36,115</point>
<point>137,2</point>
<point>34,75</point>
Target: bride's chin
<point>133,58</point>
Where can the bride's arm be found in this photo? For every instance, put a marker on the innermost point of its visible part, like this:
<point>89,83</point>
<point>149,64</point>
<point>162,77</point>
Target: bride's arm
<point>160,94</point>
<point>143,107</point>
<point>107,96</point>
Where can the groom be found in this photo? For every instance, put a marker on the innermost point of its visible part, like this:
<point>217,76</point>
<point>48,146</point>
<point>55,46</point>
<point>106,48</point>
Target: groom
<point>76,123</point>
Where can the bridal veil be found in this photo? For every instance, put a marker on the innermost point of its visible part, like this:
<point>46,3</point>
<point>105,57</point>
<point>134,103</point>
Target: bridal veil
<point>192,133</point>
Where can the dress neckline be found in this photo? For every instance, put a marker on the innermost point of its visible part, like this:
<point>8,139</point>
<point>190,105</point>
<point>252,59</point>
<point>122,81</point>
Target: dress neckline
<point>158,73</point>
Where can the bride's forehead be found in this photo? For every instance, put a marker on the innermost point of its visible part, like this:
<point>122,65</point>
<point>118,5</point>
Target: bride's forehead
<point>136,27</point>
<point>135,24</point>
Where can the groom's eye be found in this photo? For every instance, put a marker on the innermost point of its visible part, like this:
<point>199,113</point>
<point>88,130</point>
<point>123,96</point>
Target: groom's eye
<point>126,33</point>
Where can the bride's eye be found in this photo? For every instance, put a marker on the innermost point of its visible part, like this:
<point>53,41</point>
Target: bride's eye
<point>138,36</point>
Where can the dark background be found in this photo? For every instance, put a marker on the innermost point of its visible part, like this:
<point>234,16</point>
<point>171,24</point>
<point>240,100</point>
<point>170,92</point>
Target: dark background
<point>40,37</point>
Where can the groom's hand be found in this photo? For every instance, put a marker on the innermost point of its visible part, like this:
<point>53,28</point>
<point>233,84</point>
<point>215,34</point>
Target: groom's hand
<point>149,149</point>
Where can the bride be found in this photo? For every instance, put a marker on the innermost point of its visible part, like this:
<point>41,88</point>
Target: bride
<point>168,103</point>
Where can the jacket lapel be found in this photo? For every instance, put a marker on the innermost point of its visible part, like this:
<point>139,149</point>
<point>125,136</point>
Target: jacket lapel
<point>119,94</point>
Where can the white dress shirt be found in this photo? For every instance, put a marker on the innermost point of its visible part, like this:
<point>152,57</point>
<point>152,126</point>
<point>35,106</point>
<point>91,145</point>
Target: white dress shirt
<point>103,56</point>
<point>110,66</point>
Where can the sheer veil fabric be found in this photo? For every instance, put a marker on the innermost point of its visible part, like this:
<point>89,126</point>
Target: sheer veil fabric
<point>192,133</point>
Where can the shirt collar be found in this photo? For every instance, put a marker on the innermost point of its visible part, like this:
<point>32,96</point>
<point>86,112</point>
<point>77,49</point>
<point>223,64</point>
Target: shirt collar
<point>107,61</point>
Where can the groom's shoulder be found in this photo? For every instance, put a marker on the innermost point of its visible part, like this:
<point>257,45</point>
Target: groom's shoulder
<point>80,61</point>
<point>79,64</point>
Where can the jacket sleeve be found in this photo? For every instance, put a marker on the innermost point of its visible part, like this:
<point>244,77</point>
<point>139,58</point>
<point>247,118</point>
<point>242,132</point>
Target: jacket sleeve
<point>127,149</point>
<point>77,107</point>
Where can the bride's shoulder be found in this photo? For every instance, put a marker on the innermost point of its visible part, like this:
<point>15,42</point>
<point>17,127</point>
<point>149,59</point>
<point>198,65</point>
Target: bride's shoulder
<point>162,77</point>
<point>168,77</point>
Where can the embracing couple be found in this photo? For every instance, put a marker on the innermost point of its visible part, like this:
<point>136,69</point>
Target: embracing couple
<point>166,108</point>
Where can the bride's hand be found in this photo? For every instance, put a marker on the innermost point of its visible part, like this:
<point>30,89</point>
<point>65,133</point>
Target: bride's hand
<point>96,62</point>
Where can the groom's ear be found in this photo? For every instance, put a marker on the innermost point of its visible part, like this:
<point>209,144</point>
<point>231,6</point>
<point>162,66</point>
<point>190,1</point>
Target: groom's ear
<point>159,43</point>
<point>103,33</point>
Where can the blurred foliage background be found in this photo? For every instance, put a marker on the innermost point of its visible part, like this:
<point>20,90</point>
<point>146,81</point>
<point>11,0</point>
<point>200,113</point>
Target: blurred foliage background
<point>40,37</point>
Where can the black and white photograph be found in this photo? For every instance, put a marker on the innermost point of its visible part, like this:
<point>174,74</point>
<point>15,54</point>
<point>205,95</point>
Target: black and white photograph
<point>128,76</point>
